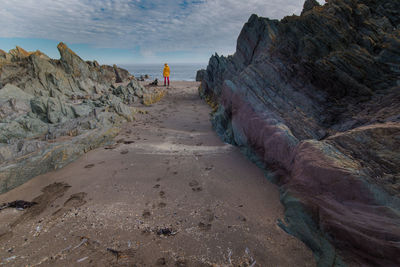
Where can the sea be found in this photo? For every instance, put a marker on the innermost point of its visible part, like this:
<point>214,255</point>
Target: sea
<point>179,72</point>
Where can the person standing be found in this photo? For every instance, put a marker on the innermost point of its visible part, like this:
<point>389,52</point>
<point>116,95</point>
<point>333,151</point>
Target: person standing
<point>166,73</point>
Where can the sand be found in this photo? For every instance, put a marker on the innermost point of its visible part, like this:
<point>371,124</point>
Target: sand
<point>169,192</point>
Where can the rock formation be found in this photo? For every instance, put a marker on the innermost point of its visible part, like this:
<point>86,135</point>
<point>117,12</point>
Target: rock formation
<point>52,111</point>
<point>200,75</point>
<point>315,100</point>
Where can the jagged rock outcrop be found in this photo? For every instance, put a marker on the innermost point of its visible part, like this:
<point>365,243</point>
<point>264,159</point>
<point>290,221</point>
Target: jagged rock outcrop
<point>309,5</point>
<point>200,75</point>
<point>315,100</point>
<point>52,111</point>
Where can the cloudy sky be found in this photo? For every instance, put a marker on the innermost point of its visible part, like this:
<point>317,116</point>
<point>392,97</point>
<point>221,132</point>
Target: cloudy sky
<point>134,31</point>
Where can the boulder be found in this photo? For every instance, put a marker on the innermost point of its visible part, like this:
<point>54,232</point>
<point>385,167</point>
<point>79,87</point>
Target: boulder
<point>200,75</point>
<point>10,91</point>
<point>39,106</point>
<point>21,128</point>
<point>120,74</point>
<point>81,110</point>
<point>13,103</point>
<point>129,92</point>
<point>58,111</point>
<point>118,106</point>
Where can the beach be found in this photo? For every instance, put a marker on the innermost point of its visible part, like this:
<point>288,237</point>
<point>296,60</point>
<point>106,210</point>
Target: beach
<point>167,192</point>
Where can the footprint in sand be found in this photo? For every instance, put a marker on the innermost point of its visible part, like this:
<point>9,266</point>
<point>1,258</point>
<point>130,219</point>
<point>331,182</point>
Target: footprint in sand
<point>207,219</point>
<point>156,186</point>
<point>89,166</point>
<point>161,262</point>
<point>204,226</point>
<point>209,168</point>
<point>209,216</point>
<point>241,218</point>
<point>75,200</point>
<point>193,183</point>
<point>162,194</point>
<point>195,186</point>
<point>162,205</point>
<point>146,214</point>
<point>181,263</point>
<point>49,194</point>
<point>125,151</point>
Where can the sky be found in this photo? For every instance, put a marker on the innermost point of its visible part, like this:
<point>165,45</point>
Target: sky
<point>134,31</point>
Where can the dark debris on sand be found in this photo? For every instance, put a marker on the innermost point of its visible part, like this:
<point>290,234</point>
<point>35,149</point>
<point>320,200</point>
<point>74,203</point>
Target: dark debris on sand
<point>18,204</point>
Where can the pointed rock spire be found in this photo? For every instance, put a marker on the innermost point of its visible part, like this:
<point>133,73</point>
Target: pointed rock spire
<point>309,5</point>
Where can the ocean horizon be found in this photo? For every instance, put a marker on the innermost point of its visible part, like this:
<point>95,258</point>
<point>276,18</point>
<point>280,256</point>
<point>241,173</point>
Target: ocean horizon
<point>179,71</point>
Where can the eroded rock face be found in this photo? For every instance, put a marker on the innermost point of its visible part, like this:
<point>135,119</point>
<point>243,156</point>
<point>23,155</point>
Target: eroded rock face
<point>315,99</point>
<point>52,111</point>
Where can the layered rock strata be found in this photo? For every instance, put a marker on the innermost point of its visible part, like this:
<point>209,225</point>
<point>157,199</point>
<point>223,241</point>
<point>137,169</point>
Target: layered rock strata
<point>315,100</point>
<point>53,111</point>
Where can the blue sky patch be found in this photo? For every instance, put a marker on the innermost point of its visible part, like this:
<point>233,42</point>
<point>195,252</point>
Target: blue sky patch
<point>134,31</point>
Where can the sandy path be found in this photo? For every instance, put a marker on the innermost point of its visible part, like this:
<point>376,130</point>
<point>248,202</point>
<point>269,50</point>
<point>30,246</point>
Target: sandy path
<point>168,172</point>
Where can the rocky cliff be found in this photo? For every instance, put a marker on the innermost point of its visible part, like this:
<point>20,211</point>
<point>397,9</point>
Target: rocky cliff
<point>315,100</point>
<point>53,111</point>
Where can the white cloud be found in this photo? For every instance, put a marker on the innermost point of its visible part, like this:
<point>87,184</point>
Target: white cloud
<point>155,26</point>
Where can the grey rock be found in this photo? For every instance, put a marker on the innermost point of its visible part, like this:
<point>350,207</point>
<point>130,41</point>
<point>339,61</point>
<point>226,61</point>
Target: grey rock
<point>200,75</point>
<point>81,110</point>
<point>11,91</point>
<point>315,100</point>
<point>58,111</point>
<point>39,106</point>
<point>13,103</point>
<point>21,128</point>
<point>45,99</point>
<point>45,156</point>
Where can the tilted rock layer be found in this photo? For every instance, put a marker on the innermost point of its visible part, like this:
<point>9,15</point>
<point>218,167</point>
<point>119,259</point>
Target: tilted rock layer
<point>315,99</point>
<point>53,111</point>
